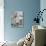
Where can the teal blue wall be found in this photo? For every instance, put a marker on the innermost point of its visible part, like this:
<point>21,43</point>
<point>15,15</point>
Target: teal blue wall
<point>29,7</point>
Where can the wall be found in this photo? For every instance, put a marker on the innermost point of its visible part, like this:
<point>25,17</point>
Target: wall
<point>43,6</point>
<point>29,7</point>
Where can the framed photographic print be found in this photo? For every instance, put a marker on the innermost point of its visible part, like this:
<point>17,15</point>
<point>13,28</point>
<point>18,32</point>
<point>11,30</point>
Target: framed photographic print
<point>17,19</point>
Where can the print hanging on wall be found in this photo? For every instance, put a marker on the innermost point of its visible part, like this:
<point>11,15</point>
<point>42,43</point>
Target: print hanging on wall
<point>17,19</point>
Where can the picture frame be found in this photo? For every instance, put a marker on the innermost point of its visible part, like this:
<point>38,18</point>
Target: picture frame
<point>17,19</point>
